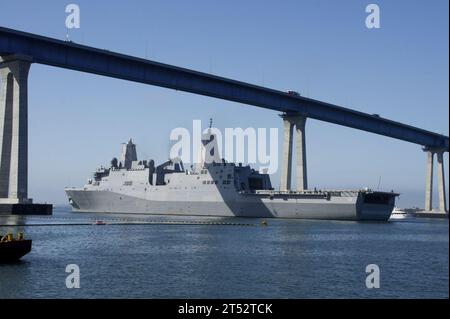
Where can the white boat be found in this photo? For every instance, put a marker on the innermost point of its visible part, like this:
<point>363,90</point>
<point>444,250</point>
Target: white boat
<point>399,213</point>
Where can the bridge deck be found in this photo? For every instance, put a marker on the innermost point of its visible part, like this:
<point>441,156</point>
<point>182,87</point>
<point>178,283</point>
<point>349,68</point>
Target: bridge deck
<point>82,58</point>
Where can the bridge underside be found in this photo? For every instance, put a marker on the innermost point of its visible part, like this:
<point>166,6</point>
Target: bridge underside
<point>82,58</point>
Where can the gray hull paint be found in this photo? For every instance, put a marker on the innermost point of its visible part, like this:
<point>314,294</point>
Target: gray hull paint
<point>350,207</point>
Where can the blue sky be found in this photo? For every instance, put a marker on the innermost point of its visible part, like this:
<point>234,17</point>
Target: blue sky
<point>319,48</point>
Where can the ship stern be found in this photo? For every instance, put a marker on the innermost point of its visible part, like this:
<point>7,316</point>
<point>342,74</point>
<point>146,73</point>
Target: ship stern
<point>375,206</point>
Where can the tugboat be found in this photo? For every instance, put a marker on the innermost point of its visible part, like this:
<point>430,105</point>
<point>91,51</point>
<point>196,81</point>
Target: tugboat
<point>12,249</point>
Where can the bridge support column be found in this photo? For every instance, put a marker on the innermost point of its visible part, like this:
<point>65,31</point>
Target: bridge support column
<point>302,178</point>
<point>286,169</point>
<point>14,130</point>
<point>289,121</point>
<point>429,179</point>
<point>429,182</point>
<point>441,182</point>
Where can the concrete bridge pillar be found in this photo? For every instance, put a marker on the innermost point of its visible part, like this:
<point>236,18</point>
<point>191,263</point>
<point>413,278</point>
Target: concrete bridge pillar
<point>302,180</point>
<point>429,179</point>
<point>289,121</point>
<point>14,130</point>
<point>286,168</point>
<point>441,182</point>
<point>429,182</point>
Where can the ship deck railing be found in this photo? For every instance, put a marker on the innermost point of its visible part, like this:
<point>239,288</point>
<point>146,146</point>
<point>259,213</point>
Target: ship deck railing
<point>326,192</point>
<point>306,193</point>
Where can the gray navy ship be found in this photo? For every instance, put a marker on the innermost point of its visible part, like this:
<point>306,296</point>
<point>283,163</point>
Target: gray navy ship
<point>215,188</point>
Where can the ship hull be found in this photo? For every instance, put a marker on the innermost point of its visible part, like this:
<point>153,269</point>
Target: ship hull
<point>14,250</point>
<point>352,207</point>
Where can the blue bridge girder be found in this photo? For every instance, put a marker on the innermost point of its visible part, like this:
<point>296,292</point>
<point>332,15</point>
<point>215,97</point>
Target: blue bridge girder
<point>69,55</point>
